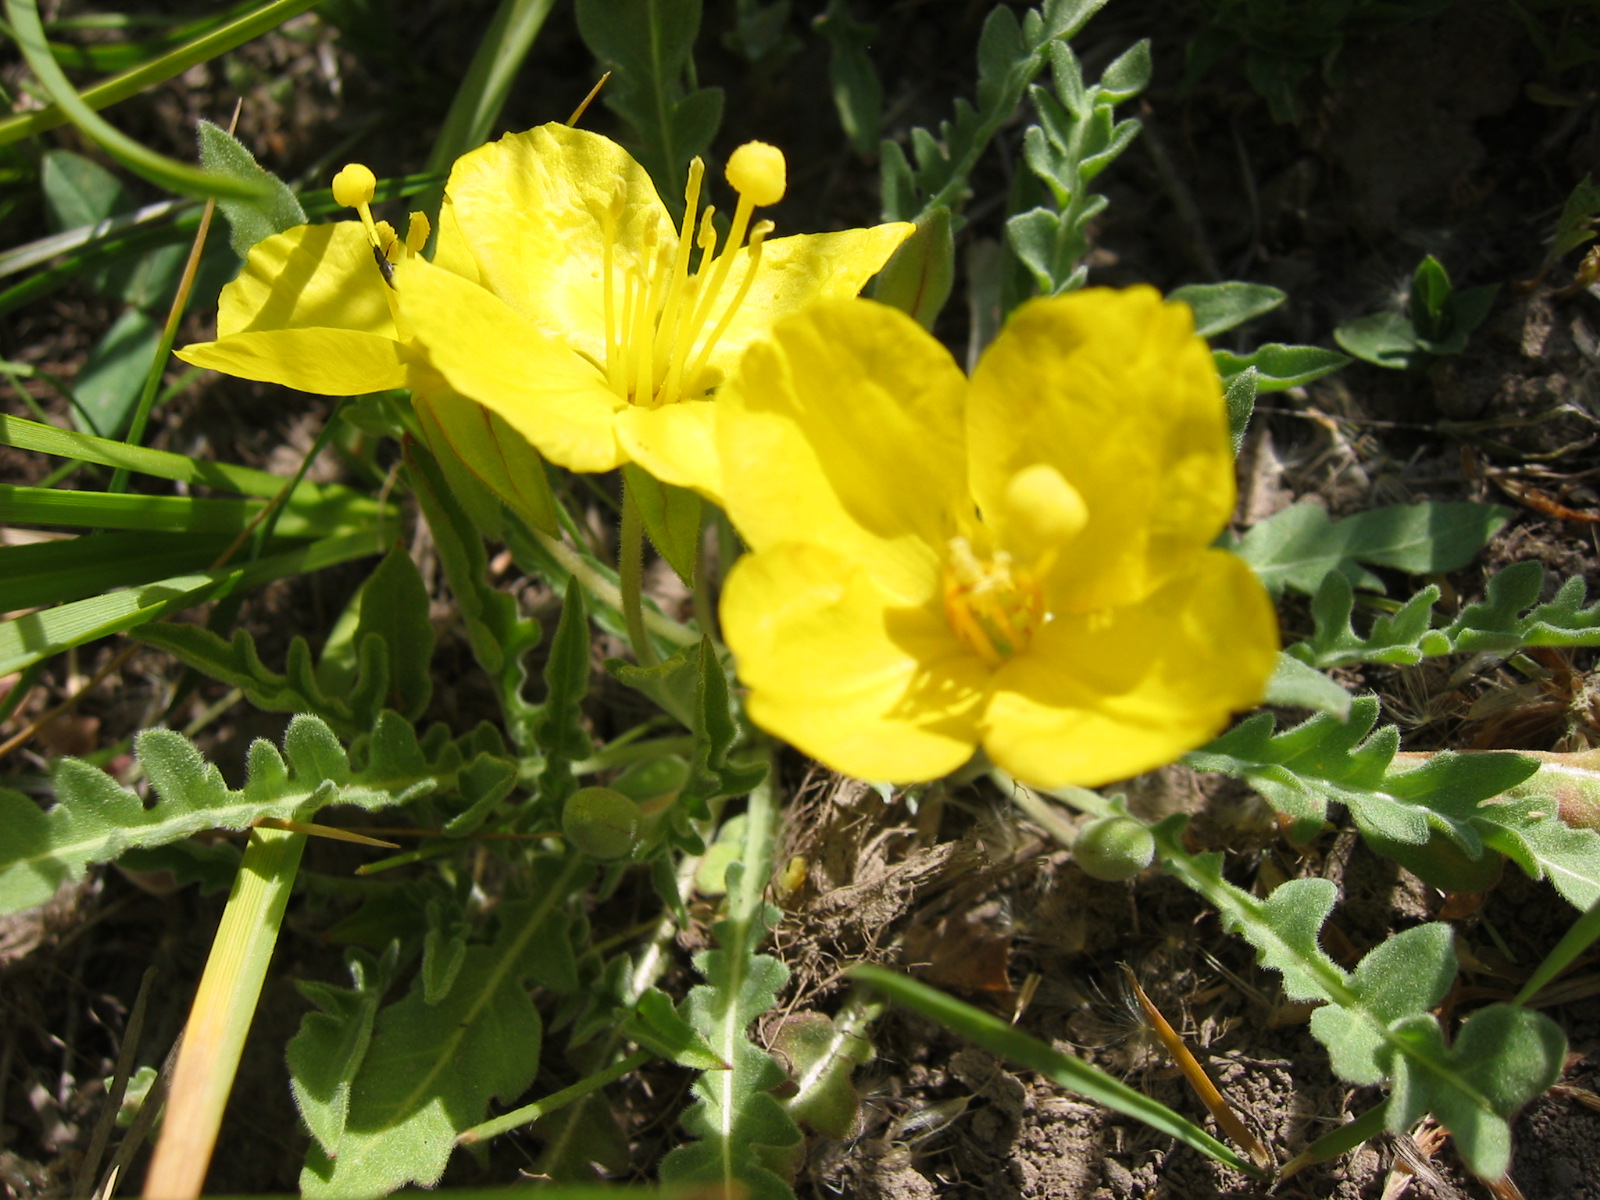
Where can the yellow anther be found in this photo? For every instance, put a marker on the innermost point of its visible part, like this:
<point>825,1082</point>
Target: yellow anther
<point>417,232</point>
<point>354,186</point>
<point>993,608</point>
<point>758,173</point>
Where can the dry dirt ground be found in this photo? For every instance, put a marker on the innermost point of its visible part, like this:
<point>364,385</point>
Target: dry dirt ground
<point>1455,135</point>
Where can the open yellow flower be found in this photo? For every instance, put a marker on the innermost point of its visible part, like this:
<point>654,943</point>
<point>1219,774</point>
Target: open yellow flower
<point>1021,562</point>
<point>586,329</point>
<point>560,298</point>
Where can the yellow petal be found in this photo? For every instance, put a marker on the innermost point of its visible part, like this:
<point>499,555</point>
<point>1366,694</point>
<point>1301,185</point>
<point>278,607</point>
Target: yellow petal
<point>532,210</point>
<point>552,396</point>
<point>677,443</point>
<point>311,276</point>
<point>794,273</point>
<point>451,250</point>
<point>1098,697</point>
<point>840,670</point>
<point>1114,390</point>
<point>846,431</point>
<point>329,362</point>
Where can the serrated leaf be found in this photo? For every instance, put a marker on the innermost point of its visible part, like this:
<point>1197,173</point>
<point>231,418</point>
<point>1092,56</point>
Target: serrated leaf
<point>647,44</point>
<point>1502,1058</point>
<point>430,1072</point>
<point>1299,546</point>
<point>656,1025</point>
<point>745,1139</point>
<point>324,1056</point>
<point>1296,685</point>
<point>1403,977</point>
<point>274,210</point>
<point>1506,619</point>
<point>95,820</point>
<point>394,608</point>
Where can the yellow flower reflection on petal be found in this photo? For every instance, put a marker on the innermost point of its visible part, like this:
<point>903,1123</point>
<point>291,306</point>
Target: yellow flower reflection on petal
<point>1020,562</point>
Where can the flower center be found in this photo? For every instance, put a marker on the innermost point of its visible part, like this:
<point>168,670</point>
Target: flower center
<point>993,605</point>
<point>660,330</point>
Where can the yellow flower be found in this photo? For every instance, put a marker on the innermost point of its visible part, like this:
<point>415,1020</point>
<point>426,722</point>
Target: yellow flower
<point>560,298</point>
<point>586,330</point>
<point>1021,562</point>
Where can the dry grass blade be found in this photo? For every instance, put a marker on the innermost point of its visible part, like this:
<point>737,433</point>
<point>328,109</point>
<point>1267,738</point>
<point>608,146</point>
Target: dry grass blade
<point>1213,1099</point>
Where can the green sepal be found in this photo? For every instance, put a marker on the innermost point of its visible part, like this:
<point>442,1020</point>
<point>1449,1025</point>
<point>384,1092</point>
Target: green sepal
<point>919,275</point>
<point>671,517</point>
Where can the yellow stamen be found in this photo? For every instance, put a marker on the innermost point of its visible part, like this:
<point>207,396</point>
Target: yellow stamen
<point>658,346</point>
<point>992,606</point>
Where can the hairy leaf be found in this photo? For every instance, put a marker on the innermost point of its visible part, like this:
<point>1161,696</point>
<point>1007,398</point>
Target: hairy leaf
<point>1505,620</point>
<point>431,1070</point>
<point>1298,547</point>
<point>95,820</point>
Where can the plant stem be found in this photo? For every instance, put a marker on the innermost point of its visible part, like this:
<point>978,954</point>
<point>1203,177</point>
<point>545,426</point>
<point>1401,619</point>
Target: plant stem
<point>602,589</point>
<point>630,574</point>
<point>532,1112</point>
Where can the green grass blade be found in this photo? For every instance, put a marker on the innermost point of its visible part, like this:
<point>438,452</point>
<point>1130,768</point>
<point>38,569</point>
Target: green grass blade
<point>55,572</point>
<point>130,83</point>
<point>178,514</point>
<point>160,170</point>
<point>27,639</point>
<point>162,464</point>
<point>999,1038</point>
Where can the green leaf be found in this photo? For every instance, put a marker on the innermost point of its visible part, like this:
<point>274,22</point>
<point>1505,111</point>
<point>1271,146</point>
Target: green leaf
<point>274,210</point>
<point>1279,367</point>
<point>1299,546</point>
<point>1503,1057</point>
<point>1375,1023</point>
<point>1239,394</point>
<point>857,94</point>
<point>1575,226</point>
<point>1386,339</point>
<point>560,733</point>
<point>821,1058</point>
<point>1219,307</point>
<point>112,377</point>
<point>325,1055</point>
<point>744,1138</point>
<point>477,450</point>
<point>95,820</point>
<point>1295,685</point>
<point>656,1025</point>
<point>1506,619</point>
<point>1010,57</point>
<point>998,1037</point>
<point>647,44</point>
<point>671,516</point>
<point>1403,977</point>
<point>394,610</point>
<point>431,1071</point>
<point>36,574</point>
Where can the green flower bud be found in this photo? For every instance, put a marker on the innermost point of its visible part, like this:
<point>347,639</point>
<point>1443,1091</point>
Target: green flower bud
<point>601,822</point>
<point>1114,848</point>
